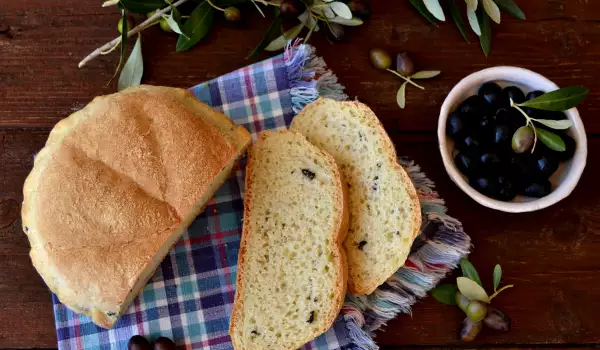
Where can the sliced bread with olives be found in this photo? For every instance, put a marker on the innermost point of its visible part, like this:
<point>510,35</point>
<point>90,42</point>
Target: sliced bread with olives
<point>291,277</point>
<point>385,215</point>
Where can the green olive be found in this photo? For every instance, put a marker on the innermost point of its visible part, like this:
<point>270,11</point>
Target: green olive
<point>522,139</point>
<point>232,14</point>
<point>462,301</point>
<point>470,330</point>
<point>404,64</point>
<point>380,59</point>
<point>164,25</point>
<point>476,311</point>
<point>120,24</point>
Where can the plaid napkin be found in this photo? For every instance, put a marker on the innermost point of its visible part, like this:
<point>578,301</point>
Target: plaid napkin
<point>191,295</point>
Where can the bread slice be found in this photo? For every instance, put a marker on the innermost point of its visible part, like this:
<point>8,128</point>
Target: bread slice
<point>291,277</point>
<point>385,215</point>
<point>116,185</point>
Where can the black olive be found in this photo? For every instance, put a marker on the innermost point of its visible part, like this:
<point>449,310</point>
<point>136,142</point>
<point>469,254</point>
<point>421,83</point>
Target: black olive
<point>474,105</point>
<point>164,343</point>
<point>537,189</point>
<point>470,330</point>
<point>497,320</point>
<point>311,318</point>
<point>501,137</point>
<point>547,165</point>
<point>404,64</point>
<point>514,93</point>
<point>493,94</point>
<point>569,150</point>
<point>507,188</point>
<point>361,245</point>
<point>291,8</point>
<point>335,31</point>
<point>471,142</point>
<point>360,8</point>
<point>456,125</point>
<point>467,163</point>
<point>486,185</point>
<point>525,168</point>
<point>490,161</point>
<point>511,117</point>
<point>137,342</point>
<point>534,94</point>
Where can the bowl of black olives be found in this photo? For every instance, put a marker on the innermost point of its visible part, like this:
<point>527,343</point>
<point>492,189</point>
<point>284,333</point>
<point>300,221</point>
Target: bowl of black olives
<point>512,140</point>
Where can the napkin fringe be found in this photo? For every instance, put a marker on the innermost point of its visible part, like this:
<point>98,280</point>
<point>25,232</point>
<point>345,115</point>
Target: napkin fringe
<point>309,77</point>
<point>436,252</point>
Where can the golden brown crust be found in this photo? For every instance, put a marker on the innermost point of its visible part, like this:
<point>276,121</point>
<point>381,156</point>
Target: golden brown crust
<point>113,183</point>
<point>336,244</point>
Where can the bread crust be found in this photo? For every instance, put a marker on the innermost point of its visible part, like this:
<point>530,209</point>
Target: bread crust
<point>363,287</point>
<point>107,192</point>
<point>339,235</point>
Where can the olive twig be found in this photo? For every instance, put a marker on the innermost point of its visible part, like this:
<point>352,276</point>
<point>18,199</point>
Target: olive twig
<point>408,80</point>
<point>267,3</point>
<point>528,123</point>
<point>130,33</point>
<point>499,290</point>
<point>215,6</point>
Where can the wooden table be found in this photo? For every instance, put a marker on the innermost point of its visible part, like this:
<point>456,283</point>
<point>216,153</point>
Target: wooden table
<point>552,256</point>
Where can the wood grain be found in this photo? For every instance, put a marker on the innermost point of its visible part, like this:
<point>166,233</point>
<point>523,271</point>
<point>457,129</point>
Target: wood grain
<point>551,256</point>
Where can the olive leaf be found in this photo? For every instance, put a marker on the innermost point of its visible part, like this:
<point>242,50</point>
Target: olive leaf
<point>434,7</point>
<point>497,276</point>
<point>282,40</point>
<point>510,7</point>
<point>556,124</point>
<point>271,34</point>
<point>174,25</point>
<point>471,290</point>
<point>133,70</point>
<point>352,22</point>
<point>550,139</point>
<point>472,4</point>
<point>445,293</point>
<point>196,27</point>
<point>558,100</point>
<point>141,6</point>
<point>458,19</point>
<point>485,39</point>
<point>341,9</point>
<point>401,95</point>
<point>469,270</point>
<point>473,21</point>
<point>420,6</point>
<point>425,74</point>
<point>492,10</point>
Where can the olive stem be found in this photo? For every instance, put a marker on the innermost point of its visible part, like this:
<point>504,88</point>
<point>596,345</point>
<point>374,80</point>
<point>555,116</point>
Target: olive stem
<point>109,45</point>
<point>408,80</point>
<point>215,6</point>
<point>267,3</point>
<point>528,123</point>
<point>499,290</point>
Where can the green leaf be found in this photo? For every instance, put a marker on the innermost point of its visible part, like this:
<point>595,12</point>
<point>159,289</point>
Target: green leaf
<point>458,19</point>
<point>445,293</point>
<point>550,139</point>
<point>558,100</point>
<point>434,7</point>
<point>497,276</point>
<point>354,21</point>
<point>510,7</point>
<point>556,124</point>
<point>196,27</point>
<point>492,10</point>
<point>485,39</point>
<point>341,9</point>
<point>471,290</point>
<point>469,270</point>
<point>472,4</point>
<point>271,34</point>
<point>401,95</point>
<point>420,6</point>
<point>282,40</point>
<point>142,6</point>
<point>473,21</point>
<point>425,74</point>
<point>133,70</point>
<point>174,25</point>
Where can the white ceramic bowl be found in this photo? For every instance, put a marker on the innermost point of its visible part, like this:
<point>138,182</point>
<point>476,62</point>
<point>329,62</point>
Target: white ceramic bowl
<point>563,180</point>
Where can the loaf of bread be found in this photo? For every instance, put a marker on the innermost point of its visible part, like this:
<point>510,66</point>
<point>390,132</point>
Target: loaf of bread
<point>116,185</point>
<point>291,270</point>
<point>385,214</point>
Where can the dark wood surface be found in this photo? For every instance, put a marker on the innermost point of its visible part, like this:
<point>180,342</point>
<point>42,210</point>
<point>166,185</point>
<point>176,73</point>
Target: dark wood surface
<point>552,256</point>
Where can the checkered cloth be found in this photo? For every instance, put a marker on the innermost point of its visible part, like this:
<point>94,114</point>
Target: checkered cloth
<point>191,295</point>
